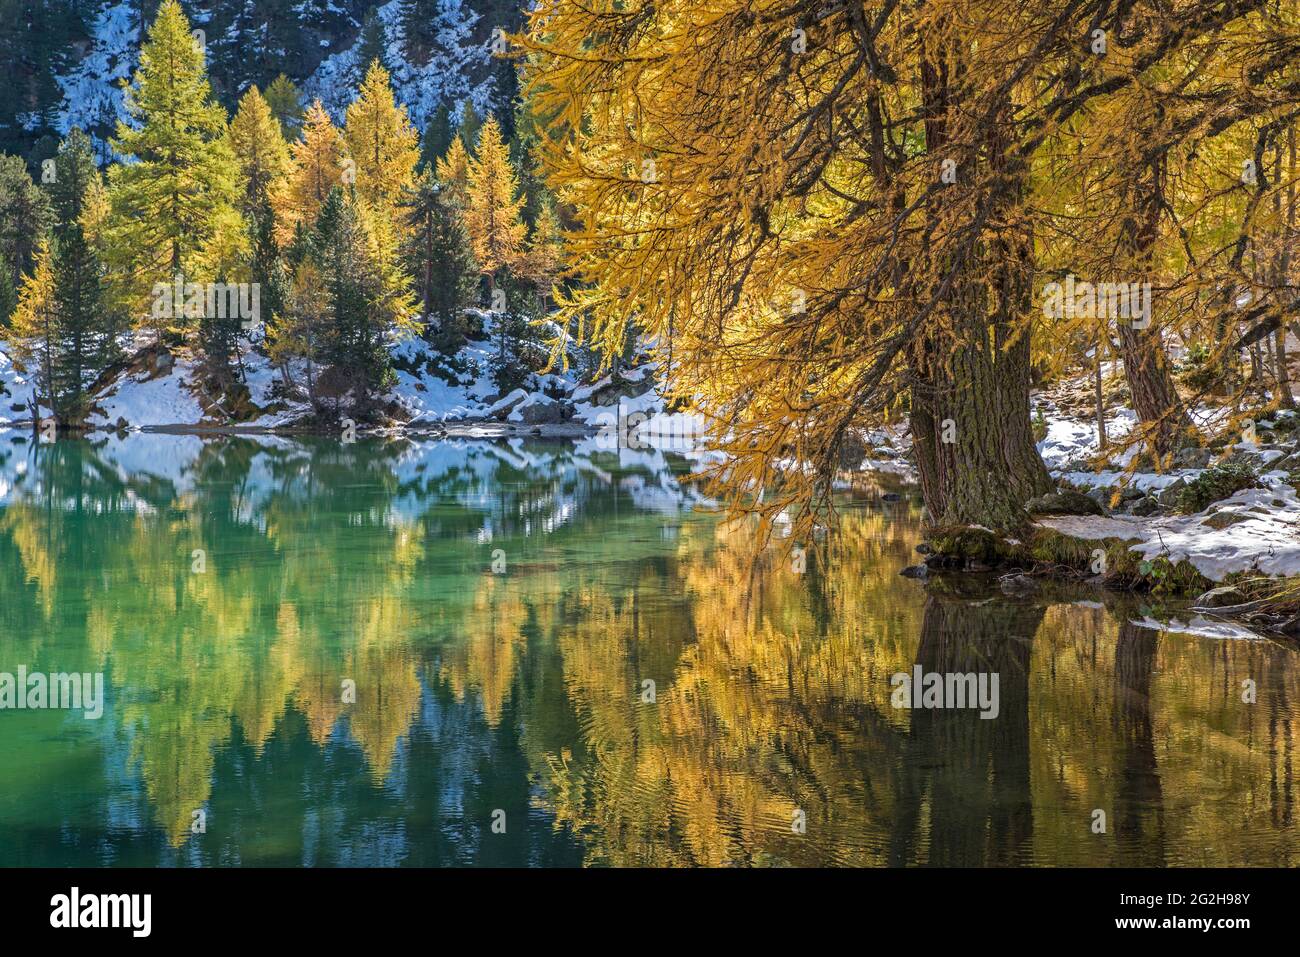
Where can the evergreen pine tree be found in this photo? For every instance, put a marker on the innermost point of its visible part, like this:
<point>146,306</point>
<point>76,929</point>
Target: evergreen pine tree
<point>438,252</point>
<point>437,138</point>
<point>470,126</point>
<point>371,46</point>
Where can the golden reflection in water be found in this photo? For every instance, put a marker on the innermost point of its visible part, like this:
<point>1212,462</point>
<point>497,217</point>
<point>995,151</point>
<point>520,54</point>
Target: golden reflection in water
<point>772,693</point>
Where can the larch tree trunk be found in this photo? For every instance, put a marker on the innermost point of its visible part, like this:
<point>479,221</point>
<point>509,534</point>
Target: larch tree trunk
<point>970,370</point>
<point>1146,367</point>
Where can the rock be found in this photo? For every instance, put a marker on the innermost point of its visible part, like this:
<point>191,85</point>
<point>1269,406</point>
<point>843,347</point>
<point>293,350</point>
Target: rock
<point>1130,494</point>
<point>915,571</point>
<point>1251,460</point>
<point>1290,627</point>
<point>1017,584</point>
<point>1221,520</point>
<point>925,548</point>
<point>1193,457</point>
<point>164,362</point>
<point>1065,502</point>
<point>1168,496</point>
<point>1145,506</point>
<point>891,497</point>
<point>542,411</point>
<point>502,408</point>
<point>1221,597</point>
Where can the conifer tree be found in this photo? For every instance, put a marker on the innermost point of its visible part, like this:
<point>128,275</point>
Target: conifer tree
<point>437,250</point>
<point>86,321</point>
<point>33,326</point>
<point>543,261</point>
<point>260,151</point>
<point>352,255</point>
<point>179,188</point>
<point>24,217</point>
<point>471,124</point>
<point>316,168</point>
<point>371,47</point>
<point>492,217</point>
<point>284,99</point>
<point>381,142</point>
<point>453,174</point>
<point>437,138</point>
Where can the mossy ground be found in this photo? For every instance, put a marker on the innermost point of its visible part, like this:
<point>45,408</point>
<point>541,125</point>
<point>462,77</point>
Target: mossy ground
<point>1045,551</point>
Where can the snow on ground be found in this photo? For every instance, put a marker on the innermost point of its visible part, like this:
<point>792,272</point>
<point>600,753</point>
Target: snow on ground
<point>16,389</point>
<point>1069,439</point>
<point>1265,538</point>
<point>142,401</point>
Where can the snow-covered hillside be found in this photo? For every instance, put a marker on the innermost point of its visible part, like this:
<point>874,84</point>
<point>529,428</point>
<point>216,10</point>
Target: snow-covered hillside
<point>316,44</point>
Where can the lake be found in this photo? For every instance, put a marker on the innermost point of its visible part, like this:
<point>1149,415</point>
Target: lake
<point>546,654</point>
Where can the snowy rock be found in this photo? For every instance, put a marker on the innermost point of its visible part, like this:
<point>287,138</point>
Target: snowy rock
<point>501,409</point>
<point>539,410</point>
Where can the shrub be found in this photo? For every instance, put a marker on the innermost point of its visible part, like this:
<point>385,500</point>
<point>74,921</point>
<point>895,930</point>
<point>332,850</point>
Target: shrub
<point>1215,484</point>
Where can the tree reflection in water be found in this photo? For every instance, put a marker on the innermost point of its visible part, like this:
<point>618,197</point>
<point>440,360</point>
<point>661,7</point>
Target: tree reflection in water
<point>522,691</point>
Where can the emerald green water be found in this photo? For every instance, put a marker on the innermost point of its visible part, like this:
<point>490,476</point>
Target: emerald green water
<point>521,689</point>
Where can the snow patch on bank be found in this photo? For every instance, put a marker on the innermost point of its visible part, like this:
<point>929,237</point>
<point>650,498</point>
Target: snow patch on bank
<point>1265,537</point>
<point>142,401</point>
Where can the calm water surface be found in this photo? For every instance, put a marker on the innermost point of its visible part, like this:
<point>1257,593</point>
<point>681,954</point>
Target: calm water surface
<point>519,695</point>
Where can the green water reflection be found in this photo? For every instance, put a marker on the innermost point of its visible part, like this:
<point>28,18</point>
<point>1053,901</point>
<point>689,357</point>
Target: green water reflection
<point>523,691</point>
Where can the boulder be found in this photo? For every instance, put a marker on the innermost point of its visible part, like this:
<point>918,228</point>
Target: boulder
<point>1168,496</point>
<point>1221,520</point>
<point>542,411</point>
<point>915,571</point>
<point>1064,502</point>
<point>1193,457</point>
<point>502,408</point>
<point>1222,597</point>
<point>1017,584</point>
<point>1145,506</point>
